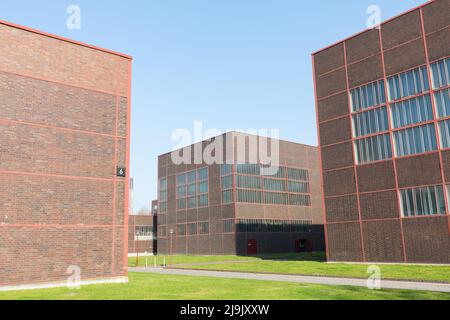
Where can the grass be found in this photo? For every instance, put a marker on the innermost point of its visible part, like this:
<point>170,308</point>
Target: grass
<point>164,287</point>
<point>184,260</point>
<point>285,265</point>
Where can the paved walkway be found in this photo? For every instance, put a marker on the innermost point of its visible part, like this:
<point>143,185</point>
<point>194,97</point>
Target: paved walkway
<point>385,284</point>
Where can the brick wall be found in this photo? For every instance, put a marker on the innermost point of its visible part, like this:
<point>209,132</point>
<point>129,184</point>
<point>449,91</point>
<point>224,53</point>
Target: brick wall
<point>64,119</point>
<point>363,221</point>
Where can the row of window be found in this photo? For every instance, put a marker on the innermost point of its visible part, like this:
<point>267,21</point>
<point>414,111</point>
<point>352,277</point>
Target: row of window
<point>261,170</point>
<point>252,196</point>
<point>143,231</point>
<point>249,182</point>
<point>260,225</point>
<point>409,141</point>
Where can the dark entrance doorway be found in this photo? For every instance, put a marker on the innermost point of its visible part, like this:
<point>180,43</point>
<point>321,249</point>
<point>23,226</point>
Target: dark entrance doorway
<point>252,247</point>
<point>303,245</point>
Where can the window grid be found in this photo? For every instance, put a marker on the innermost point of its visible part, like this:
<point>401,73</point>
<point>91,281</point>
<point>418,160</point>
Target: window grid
<point>228,226</point>
<point>290,186</point>
<point>425,201</point>
<point>368,96</point>
<point>408,84</point>
<point>440,73</point>
<point>411,114</point>
<point>163,195</point>
<point>442,102</point>
<point>192,189</point>
<point>415,140</point>
<point>444,133</point>
<point>226,183</point>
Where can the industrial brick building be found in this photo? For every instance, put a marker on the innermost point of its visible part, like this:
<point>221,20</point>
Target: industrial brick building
<point>64,141</point>
<point>383,110</point>
<point>235,207</point>
<point>142,232</point>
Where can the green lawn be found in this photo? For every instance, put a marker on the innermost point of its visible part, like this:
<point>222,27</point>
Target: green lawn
<point>189,259</point>
<point>163,287</point>
<point>288,266</point>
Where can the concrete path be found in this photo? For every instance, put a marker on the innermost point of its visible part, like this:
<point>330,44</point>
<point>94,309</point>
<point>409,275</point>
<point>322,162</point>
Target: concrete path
<point>385,284</point>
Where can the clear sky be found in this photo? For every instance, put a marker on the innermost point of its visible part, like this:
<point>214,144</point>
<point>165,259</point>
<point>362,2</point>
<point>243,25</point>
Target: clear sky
<point>229,63</point>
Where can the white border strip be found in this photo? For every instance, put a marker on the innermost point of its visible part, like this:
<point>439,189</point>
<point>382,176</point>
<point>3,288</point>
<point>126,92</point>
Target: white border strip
<point>63,284</point>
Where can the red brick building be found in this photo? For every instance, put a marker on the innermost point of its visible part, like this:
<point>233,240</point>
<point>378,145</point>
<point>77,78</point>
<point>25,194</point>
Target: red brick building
<point>383,110</point>
<point>64,160</point>
<point>234,207</point>
<point>142,232</point>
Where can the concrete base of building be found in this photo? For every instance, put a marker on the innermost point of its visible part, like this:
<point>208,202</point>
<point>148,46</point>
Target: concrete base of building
<point>59,284</point>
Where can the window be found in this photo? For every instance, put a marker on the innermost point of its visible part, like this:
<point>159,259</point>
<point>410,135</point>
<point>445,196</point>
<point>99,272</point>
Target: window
<point>227,196</point>
<point>181,191</point>
<point>275,185</point>
<point>441,73</point>
<point>368,96</point>
<point>442,99</point>
<point>373,149</point>
<point>163,195</point>
<point>422,201</point>
<point>253,186</point>
<point>412,111</point>
<point>143,233</point>
<point>228,226</point>
<point>297,174</point>
<point>226,169</point>
<point>268,171</point>
<point>192,189</point>
<point>192,229</point>
<point>248,196</point>
<point>444,131</point>
<point>227,182</point>
<point>275,198</point>
<point>298,187</point>
<point>370,122</point>
<point>415,140</point>
<point>246,168</point>
<point>203,200</point>
<point>408,83</point>
<point>181,230</point>
<point>260,226</point>
<point>203,227</point>
<point>248,182</point>
<point>192,202</point>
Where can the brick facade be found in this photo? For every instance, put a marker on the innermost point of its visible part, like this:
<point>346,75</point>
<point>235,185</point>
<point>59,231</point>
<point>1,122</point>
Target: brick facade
<point>219,242</point>
<point>64,130</point>
<point>363,217</point>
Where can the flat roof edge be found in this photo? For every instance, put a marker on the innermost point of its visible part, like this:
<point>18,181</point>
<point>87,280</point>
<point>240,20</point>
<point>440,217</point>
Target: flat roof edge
<point>381,24</point>
<point>49,35</point>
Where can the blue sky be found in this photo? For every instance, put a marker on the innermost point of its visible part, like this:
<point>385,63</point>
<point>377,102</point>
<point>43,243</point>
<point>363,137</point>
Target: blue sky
<point>229,63</point>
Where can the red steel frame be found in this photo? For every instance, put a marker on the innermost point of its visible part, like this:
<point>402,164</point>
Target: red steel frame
<point>325,224</point>
<point>436,124</point>
<point>391,137</point>
<point>435,121</point>
<point>361,233</point>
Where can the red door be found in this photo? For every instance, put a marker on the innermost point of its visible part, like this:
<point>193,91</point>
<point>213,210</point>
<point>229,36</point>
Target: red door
<point>252,247</point>
<point>301,245</point>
